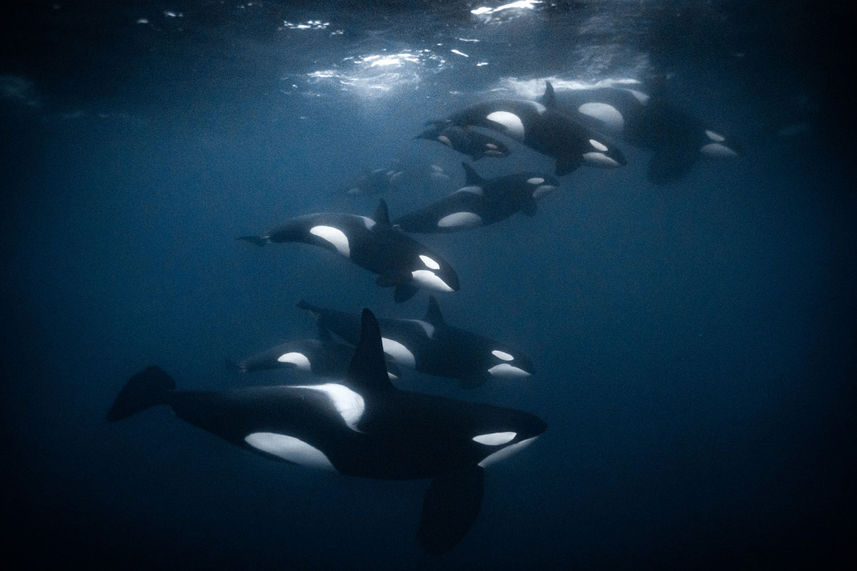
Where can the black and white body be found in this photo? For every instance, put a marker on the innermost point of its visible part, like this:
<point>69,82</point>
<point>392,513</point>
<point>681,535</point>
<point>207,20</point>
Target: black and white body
<point>373,244</point>
<point>480,202</point>
<point>358,426</point>
<point>540,126</point>
<point>466,140</point>
<point>677,138</point>
<point>431,346</point>
<point>320,358</point>
<point>374,182</point>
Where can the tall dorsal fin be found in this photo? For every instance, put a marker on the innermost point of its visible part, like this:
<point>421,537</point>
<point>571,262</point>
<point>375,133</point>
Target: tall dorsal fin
<point>471,177</point>
<point>382,213</point>
<point>368,368</point>
<point>549,98</point>
<point>433,314</point>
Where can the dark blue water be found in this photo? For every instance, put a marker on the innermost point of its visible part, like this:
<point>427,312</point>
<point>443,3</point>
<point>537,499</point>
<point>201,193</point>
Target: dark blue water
<point>694,342</point>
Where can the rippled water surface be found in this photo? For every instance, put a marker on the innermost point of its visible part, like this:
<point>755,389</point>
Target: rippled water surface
<point>693,341</point>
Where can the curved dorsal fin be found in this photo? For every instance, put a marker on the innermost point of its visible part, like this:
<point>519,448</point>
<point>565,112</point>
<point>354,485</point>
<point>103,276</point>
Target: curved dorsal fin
<point>433,314</point>
<point>368,368</point>
<point>549,98</point>
<point>471,177</point>
<point>382,214</point>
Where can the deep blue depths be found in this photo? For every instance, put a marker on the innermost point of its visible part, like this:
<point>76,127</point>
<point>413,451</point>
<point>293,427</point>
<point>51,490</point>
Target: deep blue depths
<point>694,342</point>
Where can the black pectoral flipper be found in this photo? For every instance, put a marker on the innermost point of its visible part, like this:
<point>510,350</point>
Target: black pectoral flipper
<point>450,507</point>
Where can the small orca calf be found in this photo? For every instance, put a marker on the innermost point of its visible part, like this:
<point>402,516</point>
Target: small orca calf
<point>543,128</point>
<point>374,182</point>
<point>361,426</point>
<point>373,244</point>
<point>322,357</point>
<point>466,140</point>
<point>431,346</point>
<point>480,202</point>
<point>677,138</point>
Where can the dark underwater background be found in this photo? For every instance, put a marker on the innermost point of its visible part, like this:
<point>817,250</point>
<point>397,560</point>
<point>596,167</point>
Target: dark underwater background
<point>694,342</point>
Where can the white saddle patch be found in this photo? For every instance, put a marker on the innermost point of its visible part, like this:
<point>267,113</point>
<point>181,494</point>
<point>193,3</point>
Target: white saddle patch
<point>349,404</point>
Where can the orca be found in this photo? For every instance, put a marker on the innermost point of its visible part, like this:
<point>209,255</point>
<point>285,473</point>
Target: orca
<point>480,202</point>
<point>321,357</point>
<point>374,182</point>
<point>432,347</point>
<point>542,127</point>
<point>466,140</point>
<point>373,244</point>
<point>677,138</point>
<point>361,426</point>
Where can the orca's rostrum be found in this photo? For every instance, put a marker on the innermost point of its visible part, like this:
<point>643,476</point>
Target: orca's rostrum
<point>361,426</point>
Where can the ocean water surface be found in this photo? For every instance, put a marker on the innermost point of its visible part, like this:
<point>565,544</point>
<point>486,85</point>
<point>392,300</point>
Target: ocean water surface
<point>693,342</point>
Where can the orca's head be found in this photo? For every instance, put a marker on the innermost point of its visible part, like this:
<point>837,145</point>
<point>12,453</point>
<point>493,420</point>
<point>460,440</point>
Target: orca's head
<point>506,363</point>
<point>599,152</point>
<point>541,184</point>
<point>508,432</point>
<point>717,146</point>
<point>429,271</point>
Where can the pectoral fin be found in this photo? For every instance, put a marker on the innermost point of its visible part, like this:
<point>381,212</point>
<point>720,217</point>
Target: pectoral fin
<point>450,507</point>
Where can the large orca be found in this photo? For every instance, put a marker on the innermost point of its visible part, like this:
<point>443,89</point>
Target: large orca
<point>649,121</point>
<point>466,140</point>
<point>431,346</point>
<point>361,426</point>
<point>543,128</point>
<point>480,202</point>
<point>321,357</point>
<point>371,243</point>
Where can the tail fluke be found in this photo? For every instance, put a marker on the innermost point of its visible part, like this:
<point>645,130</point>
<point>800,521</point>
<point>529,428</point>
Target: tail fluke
<point>258,240</point>
<point>147,388</point>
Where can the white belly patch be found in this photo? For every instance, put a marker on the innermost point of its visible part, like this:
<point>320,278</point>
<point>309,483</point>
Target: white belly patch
<point>333,236</point>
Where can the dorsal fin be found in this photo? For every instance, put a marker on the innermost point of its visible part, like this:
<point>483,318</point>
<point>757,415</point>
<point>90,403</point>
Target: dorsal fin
<point>433,314</point>
<point>549,98</point>
<point>382,214</point>
<point>471,177</point>
<point>368,368</point>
